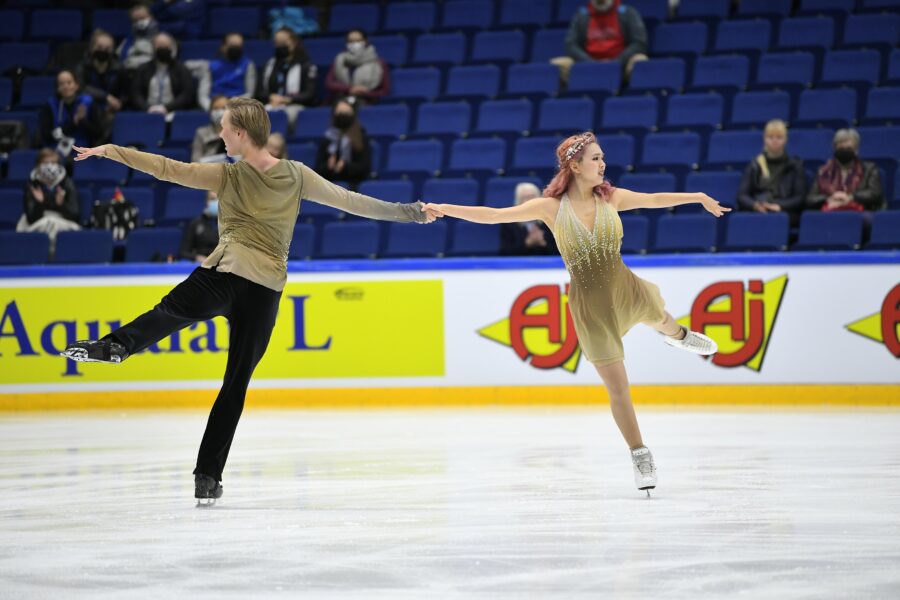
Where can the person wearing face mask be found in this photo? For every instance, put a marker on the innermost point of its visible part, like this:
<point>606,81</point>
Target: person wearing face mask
<point>845,182</point>
<point>163,85</point>
<point>345,153</point>
<point>529,238</point>
<point>233,75</point>
<point>208,145</point>
<point>69,116</point>
<point>137,48</point>
<point>288,80</point>
<point>101,74</point>
<point>201,236</point>
<point>50,199</point>
<point>277,146</point>
<point>605,30</point>
<point>358,72</point>
<point>774,181</point>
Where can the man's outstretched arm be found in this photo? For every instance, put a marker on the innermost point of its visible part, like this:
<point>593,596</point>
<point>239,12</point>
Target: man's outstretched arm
<point>203,176</point>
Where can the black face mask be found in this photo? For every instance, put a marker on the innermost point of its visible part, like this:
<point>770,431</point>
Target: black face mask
<point>101,56</point>
<point>281,52</point>
<point>234,53</point>
<point>844,155</point>
<point>164,55</point>
<point>343,120</point>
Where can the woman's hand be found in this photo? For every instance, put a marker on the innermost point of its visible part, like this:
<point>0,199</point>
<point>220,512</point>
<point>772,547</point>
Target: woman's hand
<point>38,194</point>
<point>84,153</point>
<point>434,209</point>
<point>60,196</point>
<point>711,205</point>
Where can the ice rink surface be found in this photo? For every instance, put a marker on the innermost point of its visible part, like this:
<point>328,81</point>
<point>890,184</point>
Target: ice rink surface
<point>465,503</point>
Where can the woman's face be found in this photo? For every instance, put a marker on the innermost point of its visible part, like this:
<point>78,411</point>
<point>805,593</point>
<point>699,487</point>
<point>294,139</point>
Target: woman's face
<point>343,108</point>
<point>592,167</point>
<point>103,43</point>
<point>283,39</point>
<point>218,104</point>
<point>775,141</point>
<point>65,85</point>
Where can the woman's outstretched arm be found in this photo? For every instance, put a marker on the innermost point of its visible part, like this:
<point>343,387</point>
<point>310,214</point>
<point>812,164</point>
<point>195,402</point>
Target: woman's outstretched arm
<point>203,176</point>
<point>537,209</point>
<point>624,199</point>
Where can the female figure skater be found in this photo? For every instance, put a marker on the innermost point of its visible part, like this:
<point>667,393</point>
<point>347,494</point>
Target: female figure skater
<point>605,298</point>
<point>242,279</point>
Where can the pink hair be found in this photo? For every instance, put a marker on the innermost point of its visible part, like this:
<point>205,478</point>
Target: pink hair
<point>560,182</point>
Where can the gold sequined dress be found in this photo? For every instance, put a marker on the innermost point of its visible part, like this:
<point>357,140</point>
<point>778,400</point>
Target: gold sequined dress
<point>605,298</point>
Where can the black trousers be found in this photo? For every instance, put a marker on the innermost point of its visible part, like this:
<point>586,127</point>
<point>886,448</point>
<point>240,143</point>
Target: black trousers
<point>251,310</point>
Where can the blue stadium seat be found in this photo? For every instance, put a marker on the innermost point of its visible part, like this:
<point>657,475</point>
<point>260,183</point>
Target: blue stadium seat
<point>182,205</point>
<point>704,9</point>
<point>721,185</point>
<point>756,231</point>
<point>467,14</point>
<point>278,120</point>
<point>594,77</point>
<point>312,123</point>
<point>390,190</point>
<point>679,38</point>
<point>200,49</point>
<point>885,233</point>
<point>878,5</point>
<point>668,149</point>
<point>115,21</point>
<point>566,115</point>
<point>451,190</point>
<point>872,30</point>
<point>648,183</point>
<point>880,143</point>
<point>56,25</point>
<point>24,248</point>
<point>444,118</point>
<point>425,156</point>
<point>90,246</point>
<point>883,105</point>
<point>36,91</point>
<point>523,13</point>
<point>810,144</point>
<point>440,48</point>
<point>473,81</point>
<point>618,150</point>
<point>411,239</point>
<point>505,116</point>
<point>358,239</point>
<point>789,70</point>
<point>535,155</point>
<point>735,148</point>
<point>547,44</point>
<point>478,155</point>
<point>741,35</point>
<point>10,208</point>
<point>893,71</point>
<point>386,120</point>
<point>185,124</point>
<point>566,10</point>
<point>303,242</point>
<point>816,7</point>
<point>321,50</point>
<point>145,130</point>
<point>635,234</point>
<point>806,32</point>
<point>726,71</point>
<point>829,231</point>
<point>12,25</point>
<point>756,108</point>
<point>99,171</point>
<point>244,20</point>
<point>685,233</point>
<point>6,93</point>
<point>472,239</point>
<point>394,49</point>
<point>500,192</point>
<point>410,16</point>
<point>345,17</point>
<point>31,56</point>
<point>827,108</point>
<point>313,213</point>
<point>420,82</point>
<point>777,8</point>
<point>658,74</point>
<point>652,11</point>
<point>152,244</point>
<point>532,78</point>
<point>142,197</point>
<point>845,66</point>
<point>686,110</point>
<point>498,46</point>
<point>20,164</point>
<point>630,112</point>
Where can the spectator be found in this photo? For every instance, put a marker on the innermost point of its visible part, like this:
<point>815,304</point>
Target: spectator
<point>345,153</point>
<point>526,239</point>
<point>358,72</point>
<point>605,30</point>
<point>845,182</point>
<point>50,199</point>
<point>208,146</point>
<point>774,181</point>
<point>288,81</point>
<point>103,78</point>
<point>277,146</point>
<point>201,236</point>
<point>184,19</point>
<point>233,75</point>
<point>70,117</point>
<point>137,49</point>
<point>164,84</point>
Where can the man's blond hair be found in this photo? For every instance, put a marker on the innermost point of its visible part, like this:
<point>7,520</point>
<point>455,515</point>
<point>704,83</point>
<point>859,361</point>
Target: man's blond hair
<point>251,116</point>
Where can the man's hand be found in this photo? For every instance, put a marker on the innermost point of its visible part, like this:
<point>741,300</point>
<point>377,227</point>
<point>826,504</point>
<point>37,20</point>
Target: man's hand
<point>113,103</point>
<point>84,153</point>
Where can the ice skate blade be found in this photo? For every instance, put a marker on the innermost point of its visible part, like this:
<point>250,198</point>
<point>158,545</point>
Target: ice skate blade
<point>81,355</point>
<point>206,502</point>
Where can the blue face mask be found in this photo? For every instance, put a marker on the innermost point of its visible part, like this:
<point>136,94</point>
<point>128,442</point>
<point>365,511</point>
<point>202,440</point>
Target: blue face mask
<point>212,208</point>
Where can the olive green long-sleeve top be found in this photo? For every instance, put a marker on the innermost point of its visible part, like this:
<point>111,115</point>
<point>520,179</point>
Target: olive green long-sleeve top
<point>258,210</point>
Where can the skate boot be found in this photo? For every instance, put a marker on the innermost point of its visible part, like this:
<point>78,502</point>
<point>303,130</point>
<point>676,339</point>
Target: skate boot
<point>104,351</point>
<point>644,469</point>
<point>206,490</point>
<point>694,342</point>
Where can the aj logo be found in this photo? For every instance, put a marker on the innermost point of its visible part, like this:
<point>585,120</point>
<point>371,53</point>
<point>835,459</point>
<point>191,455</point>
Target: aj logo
<point>539,329</point>
<point>883,326</point>
<point>740,319</point>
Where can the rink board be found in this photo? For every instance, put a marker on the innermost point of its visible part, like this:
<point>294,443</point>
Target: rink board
<point>792,329</point>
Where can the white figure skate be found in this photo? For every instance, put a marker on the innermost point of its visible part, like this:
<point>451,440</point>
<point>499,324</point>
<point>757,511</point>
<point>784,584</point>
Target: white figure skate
<point>694,342</point>
<point>644,469</point>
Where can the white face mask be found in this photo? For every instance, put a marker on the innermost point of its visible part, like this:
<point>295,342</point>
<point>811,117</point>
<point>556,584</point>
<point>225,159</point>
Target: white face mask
<point>355,47</point>
<point>49,172</point>
<point>216,116</point>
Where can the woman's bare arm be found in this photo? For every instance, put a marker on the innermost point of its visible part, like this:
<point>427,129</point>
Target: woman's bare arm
<point>624,199</point>
<point>537,209</point>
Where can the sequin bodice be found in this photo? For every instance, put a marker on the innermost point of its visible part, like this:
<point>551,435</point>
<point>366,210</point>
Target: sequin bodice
<point>590,254</point>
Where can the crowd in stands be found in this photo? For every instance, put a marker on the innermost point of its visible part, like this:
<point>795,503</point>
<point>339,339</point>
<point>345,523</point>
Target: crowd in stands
<point>779,108</point>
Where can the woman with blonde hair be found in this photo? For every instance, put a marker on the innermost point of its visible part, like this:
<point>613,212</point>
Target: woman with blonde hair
<point>605,298</point>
